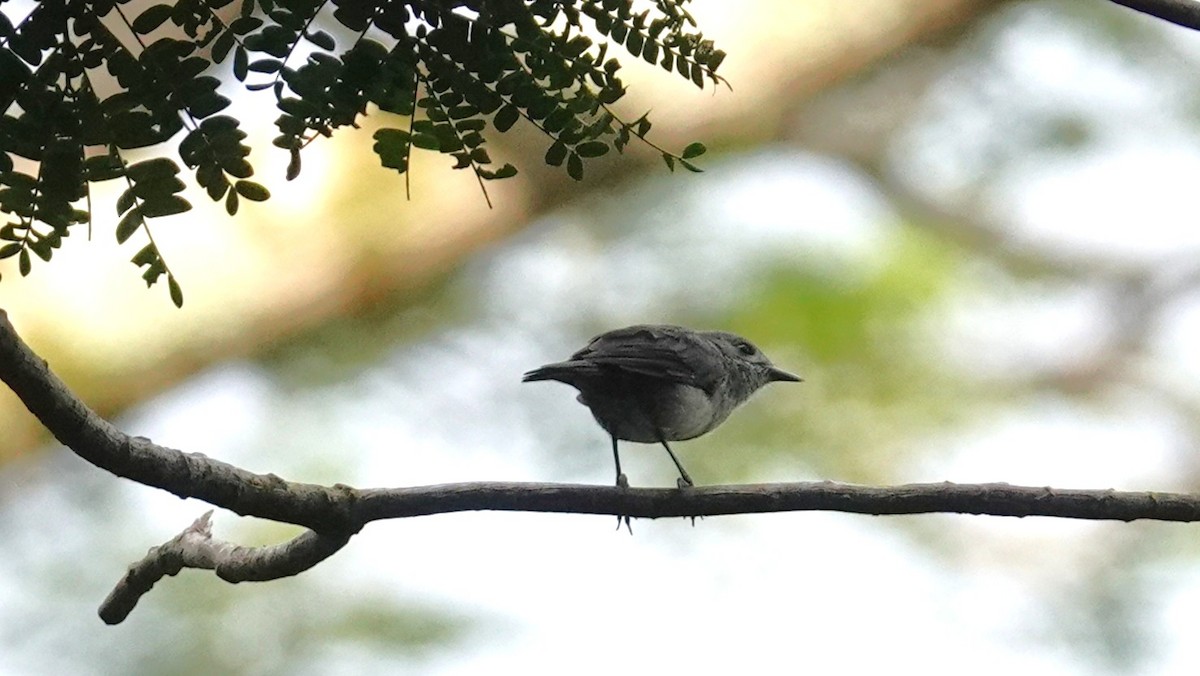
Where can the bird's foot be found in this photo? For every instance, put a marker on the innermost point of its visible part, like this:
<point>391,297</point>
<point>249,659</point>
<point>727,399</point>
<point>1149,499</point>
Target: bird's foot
<point>686,482</point>
<point>624,520</point>
<point>623,482</point>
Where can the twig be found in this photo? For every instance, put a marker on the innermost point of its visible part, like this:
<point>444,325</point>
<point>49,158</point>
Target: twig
<point>195,547</point>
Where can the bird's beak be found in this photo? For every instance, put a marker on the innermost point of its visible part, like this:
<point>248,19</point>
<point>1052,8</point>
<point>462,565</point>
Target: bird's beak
<point>778,374</point>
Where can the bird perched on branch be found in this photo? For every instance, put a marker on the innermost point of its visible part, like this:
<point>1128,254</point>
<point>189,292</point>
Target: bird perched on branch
<point>655,383</point>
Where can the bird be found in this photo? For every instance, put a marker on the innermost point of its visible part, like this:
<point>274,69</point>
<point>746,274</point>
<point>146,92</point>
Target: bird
<point>655,383</point>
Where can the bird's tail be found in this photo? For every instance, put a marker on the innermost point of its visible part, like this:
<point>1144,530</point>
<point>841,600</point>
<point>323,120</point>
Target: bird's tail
<point>564,372</point>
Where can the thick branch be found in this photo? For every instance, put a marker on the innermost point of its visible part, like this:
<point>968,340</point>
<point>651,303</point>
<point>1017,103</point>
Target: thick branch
<point>1184,13</point>
<point>188,475</point>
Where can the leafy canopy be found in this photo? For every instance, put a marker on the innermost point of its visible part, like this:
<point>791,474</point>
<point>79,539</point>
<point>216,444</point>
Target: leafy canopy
<point>82,82</point>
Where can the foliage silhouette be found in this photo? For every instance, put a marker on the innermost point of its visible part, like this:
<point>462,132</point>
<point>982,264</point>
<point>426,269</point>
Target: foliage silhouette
<point>81,83</point>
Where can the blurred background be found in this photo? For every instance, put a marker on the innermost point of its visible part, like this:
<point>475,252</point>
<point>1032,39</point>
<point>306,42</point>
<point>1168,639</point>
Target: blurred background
<point>969,225</point>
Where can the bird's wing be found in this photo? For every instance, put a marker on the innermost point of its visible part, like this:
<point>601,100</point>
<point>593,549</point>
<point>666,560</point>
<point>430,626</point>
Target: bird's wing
<point>657,352</point>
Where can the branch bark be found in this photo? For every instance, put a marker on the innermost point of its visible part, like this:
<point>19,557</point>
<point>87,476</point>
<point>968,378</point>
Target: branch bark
<point>195,547</point>
<point>333,514</point>
<point>1184,13</point>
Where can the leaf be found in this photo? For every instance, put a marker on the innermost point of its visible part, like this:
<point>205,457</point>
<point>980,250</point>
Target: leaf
<point>265,65</point>
<point>505,118</point>
<point>245,24</point>
<point>293,167</point>
<point>125,201</point>
<point>575,167</point>
<point>175,291</point>
<point>592,149</point>
<point>392,147</point>
<point>694,150</point>
<point>252,191</point>
<point>425,141</point>
<point>556,154</point>
<point>103,167</point>
<point>165,206</point>
<point>507,171</point>
<point>222,45</point>
<point>150,19</point>
<point>240,64</point>
<point>129,225</point>
<point>322,39</point>
<point>10,250</point>
<point>159,166</point>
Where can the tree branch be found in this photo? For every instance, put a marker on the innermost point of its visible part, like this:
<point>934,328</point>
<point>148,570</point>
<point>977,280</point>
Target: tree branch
<point>188,475</point>
<point>334,514</point>
<point>1184,13</point>
<point>195,547</point>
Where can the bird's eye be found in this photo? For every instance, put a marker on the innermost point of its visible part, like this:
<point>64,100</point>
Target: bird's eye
<point>746,348</point>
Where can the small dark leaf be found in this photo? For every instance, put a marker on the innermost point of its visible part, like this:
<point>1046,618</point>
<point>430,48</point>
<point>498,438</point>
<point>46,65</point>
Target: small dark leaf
<point>145,256</point>
<point>245,24</point>
<point>157,167</point>
<point>556,154</point>
<point>125,201</point>
<point>265,65</point>
<point>152,18</point>
<point>592,149</point>
<point>128,225</point>
<point>715,59</point>
<point>575,167</point>
<point>694,150</point>
<point>252,191</point>
<point>222,45</point>
<point>425,141</point>
<point>240,64</point>
<point>505,118</point>
<point>507,171</point>
<point>322,39</point>
<point>165,206</point>
<point>392,147</point>
<point>176,292</point>
<point>293,167</point>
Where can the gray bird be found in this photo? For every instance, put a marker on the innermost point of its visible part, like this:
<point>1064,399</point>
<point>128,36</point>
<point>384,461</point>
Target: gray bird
<point>656,383</point>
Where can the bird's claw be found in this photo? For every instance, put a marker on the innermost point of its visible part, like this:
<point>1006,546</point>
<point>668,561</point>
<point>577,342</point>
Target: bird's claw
<point>624,520</point>
<point>623,482</point>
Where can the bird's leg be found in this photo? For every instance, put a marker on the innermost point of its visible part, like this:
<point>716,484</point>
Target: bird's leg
<point>622,482</point>
<point>684,480</point>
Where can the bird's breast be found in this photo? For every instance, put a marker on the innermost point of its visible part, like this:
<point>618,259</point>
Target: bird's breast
<point>654,412</point>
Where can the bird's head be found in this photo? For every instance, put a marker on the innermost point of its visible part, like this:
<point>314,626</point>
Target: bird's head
<point>749,361</point>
